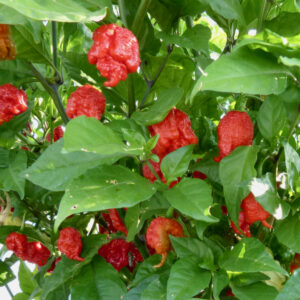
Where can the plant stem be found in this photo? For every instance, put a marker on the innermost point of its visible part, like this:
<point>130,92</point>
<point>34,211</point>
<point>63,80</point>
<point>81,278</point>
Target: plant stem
<point>9,290</point>
<point>58,77</point>
<point>264,12</point>
<point>52,91</point>
<point>140,14</point>
<point>131,96</point>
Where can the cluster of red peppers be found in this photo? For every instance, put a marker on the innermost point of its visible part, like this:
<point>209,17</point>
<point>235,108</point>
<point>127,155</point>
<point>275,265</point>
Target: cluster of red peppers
<point>34,252</point>
<point>7,46</point>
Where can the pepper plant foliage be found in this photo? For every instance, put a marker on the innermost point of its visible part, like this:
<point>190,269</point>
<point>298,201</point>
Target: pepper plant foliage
<point>204,57</point>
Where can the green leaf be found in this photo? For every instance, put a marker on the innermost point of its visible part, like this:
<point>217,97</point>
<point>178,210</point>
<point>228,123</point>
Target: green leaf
<point>59,10</point>
<point>27,283</point>
<point>271,117</point>
<point>103,188</point>
<point>292,161</point>
<point>191,197</point>
<point>6,274</point>
<point>4,158</point>
<point>21,296</point>
<point>290,62</point>
<point>249,255</point>
<point>285,24</point>
<point>291,288</point>
<point>220,280</point>
<point>287,232</point>
<point>68,268</point>
<point>10,16</point>
<point>156,289</point>
<point>167,99</point>
<point>54,170</point>
<point>90,135</point>
<point>98,280</point>
<point>10,178</point>
<point>196,38</point>
<point>193,247</point>
<point>258,291</point>
<point>176,163</point>
<point>132,222</point>
<point>236,169</point>
<point>186,279</point>
<point>244,71</point>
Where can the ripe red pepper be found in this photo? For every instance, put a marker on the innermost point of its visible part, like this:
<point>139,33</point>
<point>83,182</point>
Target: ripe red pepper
<point>53,265</point>
<point>69,243</point>
<point>121,254</point>
<point>12,102</point>
<point>235,129</point>
<point>245,227</point>
<point>37,253</point>
<point>174,131</point>
<point>58,133</point>
<point>114,222</point>
<point>157,236</point>
<point>115,52</point>
<point>87,101</point>
<point>254,211</point>
<point>7,46</point>
<point>17,243</point>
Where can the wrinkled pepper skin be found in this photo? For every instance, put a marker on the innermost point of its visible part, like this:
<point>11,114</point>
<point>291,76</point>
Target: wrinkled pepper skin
<point>254,212</point>
<point>115,53</point>
<point>245,227</point>
<point>58,133</point>
<point>157,236</point>
<point>235,129</point>
<point>86,101</point>
<point>7,46</point>
<point>113,222</point>
<point>120,254</point>
<point>12,102</point>
<point>69,243</point>
<point>17,243</point>
<point>174,131</point>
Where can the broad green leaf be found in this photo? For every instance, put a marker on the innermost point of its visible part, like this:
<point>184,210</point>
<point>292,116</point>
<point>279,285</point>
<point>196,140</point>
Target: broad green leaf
<point>287,232</point>
<point>10,179</point>
<point>10,16</point>
<point>285,24</point>
<point>157,289</point>
<point>196,38</point>
<point>4,158</point>
<point>271,117</point>
<point>292,161</point>
<point>258,291</point>
<point>244,71</point>
<point>68,268</point>
<point>191,197</point>
<point>98,280</point>
<point>132,221</point>
<point>186,279</point>
<point>291,289</point>
<point>210,168</point>
<point>59,10</point>
<point>249,255</point>
<point>54,169</point>
<point>21,296</point>
<point>220,280</point>
<point>103,188</point>
<point>90,135</point>
<point>136,292</point>
<point>176,163</point>
<point>167,99</point>
<point>290,62</point>
<point>236,170</point>
<point>193,247</point>
<point>6,274</point>
<point>27,283</point>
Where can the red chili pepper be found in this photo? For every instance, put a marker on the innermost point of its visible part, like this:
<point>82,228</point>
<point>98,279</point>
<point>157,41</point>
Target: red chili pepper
<point>117,221</point>
<point>121,254</point>
<point>12,102</point>
<point>69,243</point>
<point>235,129</point>
<point>58,133</point>
<point>157,236</point>
<point>174,131</point>
<point>87,101</point>
<point>53,265</point>
<point>245,227</point>
<point>7,46</point>
<point>17,243</point>
<point>254,211</point>
<point>37,253</point>
<point>229,293</point>
<point>115,52</point>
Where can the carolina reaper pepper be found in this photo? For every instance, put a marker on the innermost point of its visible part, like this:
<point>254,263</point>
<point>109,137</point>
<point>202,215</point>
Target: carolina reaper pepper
<point>12,102</point>
<point>174,131</point>
<point>120,254</point>
<point>86,100</point>
<point>235,129</point>
<point>17,243</point>
<point>58,133</point>
<point>157,236</point>
<point>115,52</point>
<point>69,243</point>
<point>7,46</point>
<point>114,221</point>
<point>245,227</point>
